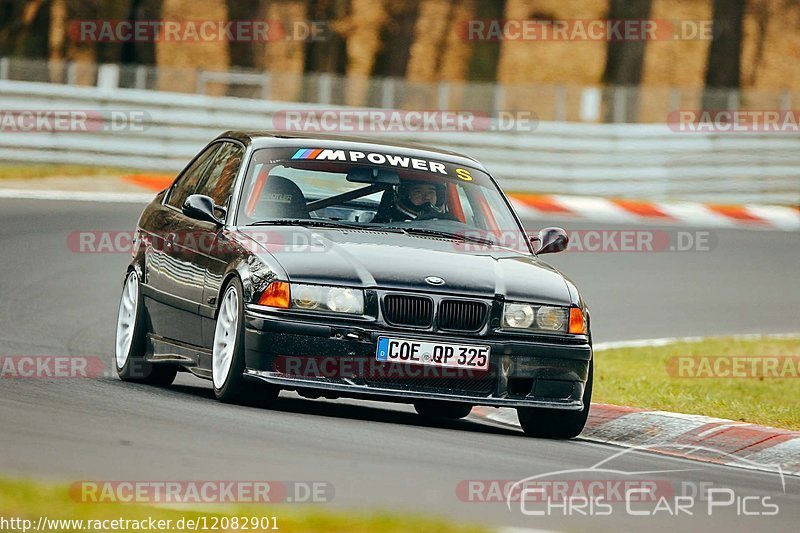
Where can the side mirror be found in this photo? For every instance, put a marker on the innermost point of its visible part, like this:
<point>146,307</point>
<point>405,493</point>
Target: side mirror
<point>201,207</point>
<point>550,240</point>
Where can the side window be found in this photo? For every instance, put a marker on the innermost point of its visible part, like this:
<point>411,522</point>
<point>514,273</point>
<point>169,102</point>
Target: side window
<point>217,182</point>
<point>188,181</point>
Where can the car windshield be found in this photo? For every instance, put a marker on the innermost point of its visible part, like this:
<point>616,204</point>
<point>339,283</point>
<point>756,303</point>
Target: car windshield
<point>338,187</point>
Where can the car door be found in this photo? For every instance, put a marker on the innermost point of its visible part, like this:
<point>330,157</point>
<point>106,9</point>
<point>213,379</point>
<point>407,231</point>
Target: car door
<point>201,248</point>
<point>169,271</point>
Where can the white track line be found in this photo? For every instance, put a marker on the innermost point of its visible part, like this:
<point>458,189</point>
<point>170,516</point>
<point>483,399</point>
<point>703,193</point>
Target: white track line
<point>666,341</point>
<point>80,196</point>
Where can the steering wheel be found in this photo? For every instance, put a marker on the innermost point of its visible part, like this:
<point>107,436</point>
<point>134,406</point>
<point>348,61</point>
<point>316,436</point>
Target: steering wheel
<point>429,213</point>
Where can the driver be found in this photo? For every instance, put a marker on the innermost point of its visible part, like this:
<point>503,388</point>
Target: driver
<point>417,199</point>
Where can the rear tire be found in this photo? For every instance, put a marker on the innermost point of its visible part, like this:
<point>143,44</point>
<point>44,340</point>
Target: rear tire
<point>228,354</point>
<point>442,410</point>
<point>557,423</point>
<point>131,341</point>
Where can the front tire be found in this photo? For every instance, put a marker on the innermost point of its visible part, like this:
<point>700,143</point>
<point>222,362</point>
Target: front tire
<point>442,410</point>
<point>131,341</point>
<point>228,358</point>
<point>556,423</point>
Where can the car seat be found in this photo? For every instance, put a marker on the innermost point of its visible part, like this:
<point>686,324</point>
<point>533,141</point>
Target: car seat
<point>280,198</point>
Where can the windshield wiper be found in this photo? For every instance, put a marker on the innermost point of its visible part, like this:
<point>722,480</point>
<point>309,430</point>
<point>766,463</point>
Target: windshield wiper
<point>317,223</point>
<point>448,235</point>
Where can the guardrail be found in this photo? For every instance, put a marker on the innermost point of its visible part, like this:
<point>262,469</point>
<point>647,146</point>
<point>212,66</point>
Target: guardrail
<point>560,102</point>
<point>615,160</point>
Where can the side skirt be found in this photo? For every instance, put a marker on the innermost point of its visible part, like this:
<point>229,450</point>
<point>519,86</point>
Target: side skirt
<point>195,359</point>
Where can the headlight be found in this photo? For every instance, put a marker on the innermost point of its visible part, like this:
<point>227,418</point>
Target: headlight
<point>307,296</point>
<point>345,300</point>
<point>551,318</point>
<point>281,294</point>
<point>322,298</point>
<point>518,316</point>
<point>536,317</point>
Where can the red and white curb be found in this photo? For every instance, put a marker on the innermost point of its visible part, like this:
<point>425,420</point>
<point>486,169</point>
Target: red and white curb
<point>702,438</point>
<point>770,217</point>
<point>767,217</point>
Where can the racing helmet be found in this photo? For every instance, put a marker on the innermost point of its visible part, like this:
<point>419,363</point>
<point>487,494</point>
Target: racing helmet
<point>403,197</point>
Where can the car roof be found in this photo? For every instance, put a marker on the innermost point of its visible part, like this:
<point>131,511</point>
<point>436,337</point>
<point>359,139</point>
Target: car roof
<point>272,139</point>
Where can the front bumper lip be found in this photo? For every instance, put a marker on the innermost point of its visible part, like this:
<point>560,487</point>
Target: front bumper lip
<point>536,365</point>
<point>355,389</point>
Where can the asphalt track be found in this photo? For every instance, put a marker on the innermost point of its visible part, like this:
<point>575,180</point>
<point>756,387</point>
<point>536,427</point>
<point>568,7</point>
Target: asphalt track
<point>377,456</point>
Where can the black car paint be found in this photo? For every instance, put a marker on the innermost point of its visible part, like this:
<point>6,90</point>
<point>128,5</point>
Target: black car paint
<point>182,281</point>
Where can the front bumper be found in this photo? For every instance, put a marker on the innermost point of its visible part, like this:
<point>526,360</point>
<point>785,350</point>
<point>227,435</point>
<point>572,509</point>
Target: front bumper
<point>523,372</point>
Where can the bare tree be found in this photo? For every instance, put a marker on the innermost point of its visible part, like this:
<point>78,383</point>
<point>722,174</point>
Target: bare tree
<point>243,53</point>
<point>24,28</point>
<point>723,67</point>
<point>364,27</point>
<point>760,11</point>
<point>286,58</point>
<point>486,54</point>
<point>329,54</point>
<point>180,61</point>
<point>397,38</point>
<point>625,63</point>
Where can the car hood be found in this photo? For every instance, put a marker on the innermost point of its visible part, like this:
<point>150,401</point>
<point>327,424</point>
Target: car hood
<point>402,262</point>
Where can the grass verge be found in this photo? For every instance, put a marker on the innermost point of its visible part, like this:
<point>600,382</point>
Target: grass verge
<point>653,378</point>
<point>51,171</point>
<point>30,500</point>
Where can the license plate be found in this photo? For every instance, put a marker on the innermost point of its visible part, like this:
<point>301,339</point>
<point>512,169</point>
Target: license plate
<point>432,353</point>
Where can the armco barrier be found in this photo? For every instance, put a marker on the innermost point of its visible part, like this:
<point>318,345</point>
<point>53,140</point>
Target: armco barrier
<point>615,160</point>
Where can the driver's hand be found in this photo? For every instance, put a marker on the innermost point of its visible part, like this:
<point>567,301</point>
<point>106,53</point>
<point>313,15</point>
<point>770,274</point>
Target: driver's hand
<point>428,212</point>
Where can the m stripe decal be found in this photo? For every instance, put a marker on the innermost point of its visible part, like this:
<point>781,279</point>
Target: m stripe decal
<point>306,153</point>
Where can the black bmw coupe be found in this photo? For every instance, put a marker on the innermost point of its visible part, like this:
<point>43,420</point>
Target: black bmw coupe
<point>336,267</point>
